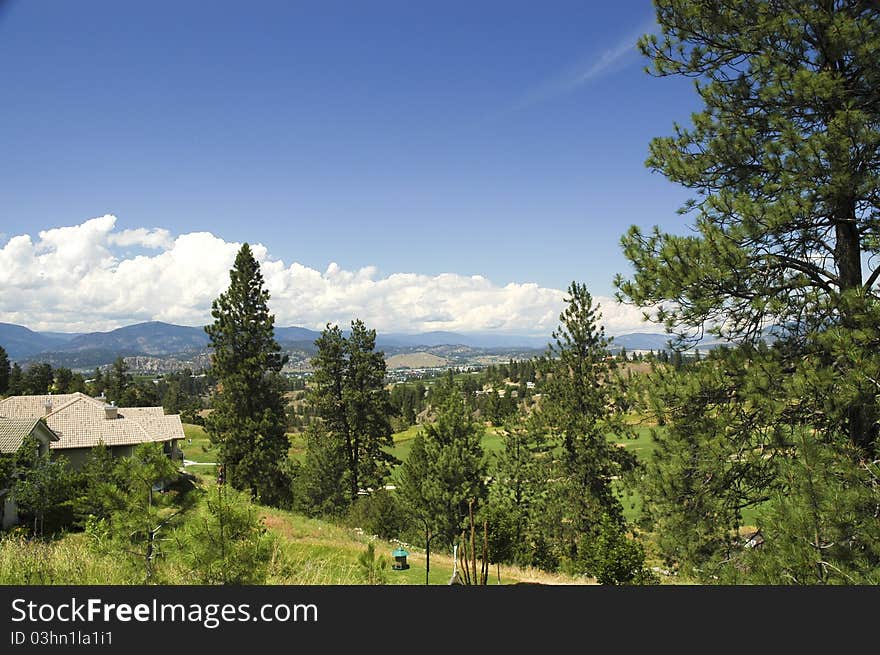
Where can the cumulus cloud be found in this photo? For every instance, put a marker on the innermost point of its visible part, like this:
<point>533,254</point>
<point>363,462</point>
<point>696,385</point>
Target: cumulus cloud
<point>76,278</point>
<point>155,238</point>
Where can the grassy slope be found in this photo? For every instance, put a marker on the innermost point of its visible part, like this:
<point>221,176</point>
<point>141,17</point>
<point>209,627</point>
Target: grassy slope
<point>320,552</point>
<point>327,554</point>
<point>309,552</point>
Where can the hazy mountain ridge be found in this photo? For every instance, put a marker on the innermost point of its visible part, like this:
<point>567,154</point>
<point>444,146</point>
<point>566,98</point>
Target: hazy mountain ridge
<point>159,340</point>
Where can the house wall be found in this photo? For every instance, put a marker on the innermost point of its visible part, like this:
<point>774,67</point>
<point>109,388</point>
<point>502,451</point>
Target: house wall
<point>77,457</point>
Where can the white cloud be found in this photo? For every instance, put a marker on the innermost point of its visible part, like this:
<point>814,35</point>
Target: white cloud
<point>155,238</point>
<point>75,278</point>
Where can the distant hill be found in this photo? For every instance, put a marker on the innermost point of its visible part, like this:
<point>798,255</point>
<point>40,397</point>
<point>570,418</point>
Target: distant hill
<point>641,341</point>
<point>20,342</point>
<point>152,338</point>
<point>295,335</point>
<point>159,339</point>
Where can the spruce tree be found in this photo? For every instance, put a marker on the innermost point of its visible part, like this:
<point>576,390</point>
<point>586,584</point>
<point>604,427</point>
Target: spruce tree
<point>248,418</point>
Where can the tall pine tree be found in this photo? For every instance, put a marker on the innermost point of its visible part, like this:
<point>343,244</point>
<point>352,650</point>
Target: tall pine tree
<point>4,371</point>
<point>348,393</point>
<point>784,162</point>
<point>580,413</point>
<point>248,418</point>
<point>445,470</point>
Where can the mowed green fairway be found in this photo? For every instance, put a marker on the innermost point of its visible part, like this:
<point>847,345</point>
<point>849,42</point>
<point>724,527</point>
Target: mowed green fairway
<point>197,447</point>
<point>492,442</point>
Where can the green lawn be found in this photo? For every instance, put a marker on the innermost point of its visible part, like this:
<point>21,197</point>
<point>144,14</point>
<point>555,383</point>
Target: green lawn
<point>197,447</point>
<point>492,442</point>
<point>643,445</point>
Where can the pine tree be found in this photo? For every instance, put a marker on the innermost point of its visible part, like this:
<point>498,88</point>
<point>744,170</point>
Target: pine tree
<point>143,514</point>
<point>16,381</point>
<point>4,371</point>
<point>714,457</point>
<point>119,382</point>
<point>248,418</point>
<point>64,380</point>
<point>519,477</point>
<point>225,541</point>
<point>38,378</point>
<point>784,160</point>
<point>43,484</point>
<point>367,409</point>
<point>348,393</point>
<point>445,470</point>
<point>320,484</point>
<point>580,414</point>
<point>98,383</point>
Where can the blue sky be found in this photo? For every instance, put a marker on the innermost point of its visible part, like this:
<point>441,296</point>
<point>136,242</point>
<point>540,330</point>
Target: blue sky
<point>505,140</point>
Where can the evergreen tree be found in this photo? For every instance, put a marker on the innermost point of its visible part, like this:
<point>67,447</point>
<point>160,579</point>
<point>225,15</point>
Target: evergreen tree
<point>349,395</point>
<point>820,525</point>
<point>712,460</point>
<point>519,478</point>
<point>16,381</point>
<point>98,384</point>
<point>580,414</point>
<point>118,383</point>
<point>173,400</point>
<point>4,371</point>
<point>328,379</point>
<point>445,470</point>
<point>320,485</point>
<point>38,378</point>
<point>142,513</point>
<point>99,487</point>
<point>224,541</point>
<point>248,418</point>
<point>367,407</point>
<point>43,484</point>
<point>64,380</point>
<point>785,162</point>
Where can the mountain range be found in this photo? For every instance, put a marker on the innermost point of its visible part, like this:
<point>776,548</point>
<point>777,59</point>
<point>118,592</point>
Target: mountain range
<point>158,339</point>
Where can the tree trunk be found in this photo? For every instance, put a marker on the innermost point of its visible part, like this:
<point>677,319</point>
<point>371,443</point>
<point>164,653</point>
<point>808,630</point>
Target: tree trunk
<point>847,257</point>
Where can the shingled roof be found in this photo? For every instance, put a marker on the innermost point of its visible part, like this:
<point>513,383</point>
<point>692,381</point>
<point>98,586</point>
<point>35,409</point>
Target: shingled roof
<point>13,431</point>
<point>35,406</point>
<point>80,421</point>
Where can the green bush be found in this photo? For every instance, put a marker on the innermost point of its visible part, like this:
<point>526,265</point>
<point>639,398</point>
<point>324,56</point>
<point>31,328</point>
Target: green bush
<point>379,514</point>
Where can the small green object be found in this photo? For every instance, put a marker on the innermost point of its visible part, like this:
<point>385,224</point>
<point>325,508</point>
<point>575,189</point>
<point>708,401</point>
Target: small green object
<point>400,562</point>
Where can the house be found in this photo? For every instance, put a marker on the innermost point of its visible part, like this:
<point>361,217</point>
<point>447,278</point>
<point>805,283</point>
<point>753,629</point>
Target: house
<point>13,433</point>
<point>82,422</point>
